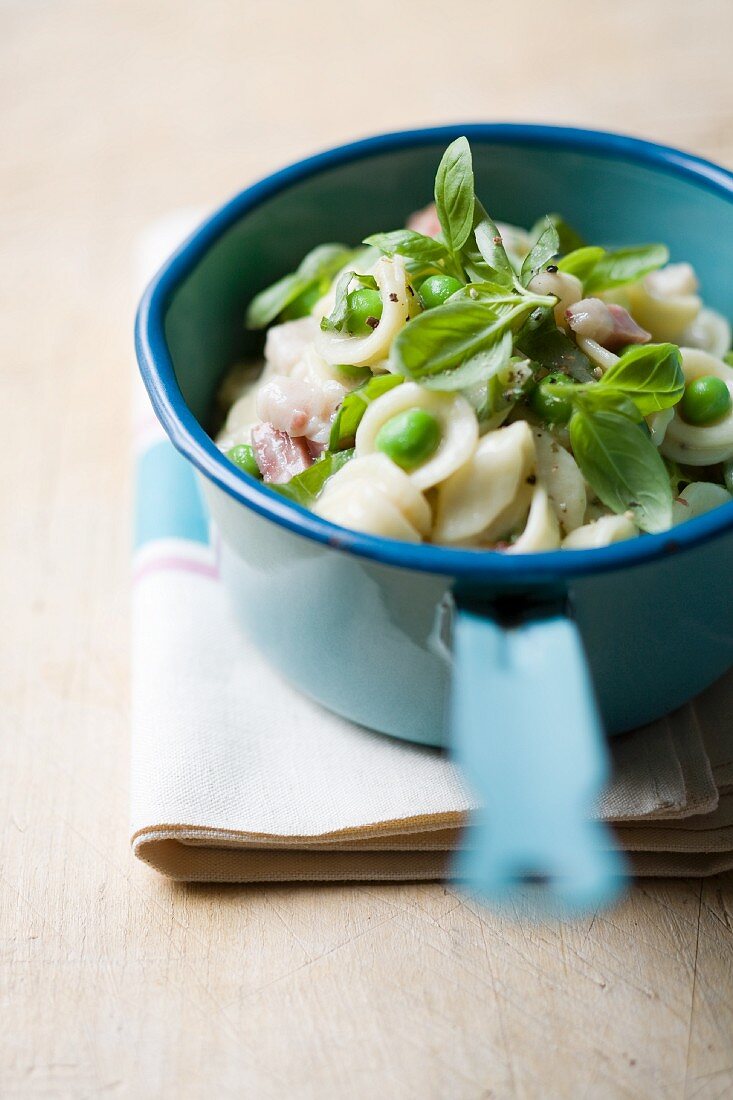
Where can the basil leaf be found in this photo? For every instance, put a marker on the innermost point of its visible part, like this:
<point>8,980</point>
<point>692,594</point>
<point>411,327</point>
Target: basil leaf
<point>593,398</point>
<point>266,305</point>
<point>325,259</point>
<point>542,341</point>
<point>454,194</point>
<point>406,242</point>
<point>478,368</point>
<point>305,488</point>
<point>321,264</point>
<point>489,261</point>
<point>581,262</point>
<point>625,265</point>
<point>545,247</point>
<point>337,317</point>
<point>443,338</point>
<point>353,407</point>
<point>569,239</point>
<point>623,466</point>
<point>650,376</point>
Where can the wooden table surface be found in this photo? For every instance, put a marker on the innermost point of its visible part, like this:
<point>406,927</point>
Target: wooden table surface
<point>112,980</point>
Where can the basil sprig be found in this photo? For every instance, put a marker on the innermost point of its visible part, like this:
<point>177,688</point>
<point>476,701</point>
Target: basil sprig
<point>454,195</point>
<point>353,407</point>
<point>305,488</point>
<point>601,270</point>
<point>623,466</point>
<point>317,269</point>
<point>542,251</point>
<point>438,347</point>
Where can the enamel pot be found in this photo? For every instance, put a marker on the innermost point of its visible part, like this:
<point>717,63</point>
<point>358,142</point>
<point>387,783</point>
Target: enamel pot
<point>520,666</point>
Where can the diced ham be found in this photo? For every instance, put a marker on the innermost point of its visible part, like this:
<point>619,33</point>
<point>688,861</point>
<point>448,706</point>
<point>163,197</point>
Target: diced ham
<point>425,221</point>
<point>278,456</point>
<point>609,325</point>
<point>299,406</point>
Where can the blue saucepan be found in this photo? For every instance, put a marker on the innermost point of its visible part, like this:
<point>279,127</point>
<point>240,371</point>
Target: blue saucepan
<point>518,664</point>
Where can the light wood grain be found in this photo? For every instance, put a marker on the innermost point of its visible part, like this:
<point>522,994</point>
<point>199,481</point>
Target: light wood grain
<point>112,980</point>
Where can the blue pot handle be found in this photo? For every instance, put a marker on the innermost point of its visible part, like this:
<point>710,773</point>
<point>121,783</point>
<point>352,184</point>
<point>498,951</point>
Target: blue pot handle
<point>527,734</point>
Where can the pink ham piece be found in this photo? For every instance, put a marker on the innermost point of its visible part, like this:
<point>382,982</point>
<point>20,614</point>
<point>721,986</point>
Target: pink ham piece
<point>278,456</point>
<point>609,325</point>
<point>425,221</point>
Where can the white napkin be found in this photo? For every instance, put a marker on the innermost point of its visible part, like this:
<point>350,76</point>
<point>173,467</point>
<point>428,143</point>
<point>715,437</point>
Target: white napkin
<point>237,777</point>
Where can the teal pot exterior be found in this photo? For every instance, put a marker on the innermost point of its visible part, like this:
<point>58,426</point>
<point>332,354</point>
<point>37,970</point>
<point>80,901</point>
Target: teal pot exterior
<point>518,663</point>
<point>373,643</point>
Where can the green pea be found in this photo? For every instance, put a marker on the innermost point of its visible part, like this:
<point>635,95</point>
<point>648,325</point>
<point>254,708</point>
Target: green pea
<point>437,289</point>
<point>705,400</point>
<point>303,304</point>
<point>363,310</point>
<point>550,399</point>
<point>409,438</point>
<point>243,457</point>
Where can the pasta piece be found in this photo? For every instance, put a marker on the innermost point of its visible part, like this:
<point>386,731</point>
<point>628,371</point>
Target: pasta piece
<point>393,482</point>
<point>601,532</point>
<point>313,368</point>
<point>285,344</point>
<point>665,302</point>
<point>566,287</point>
<point>373,495</point>
<point>542,531</point>
<point>559,473</point>
<point>658,423</point>
<point>598,355</point>
<point>698,498</point>
<point>363,507</point>
<point>477,494</point>
<point>709,331</point>
<point>360,351</point>
<point>458,423</point>
<point>701,445</point>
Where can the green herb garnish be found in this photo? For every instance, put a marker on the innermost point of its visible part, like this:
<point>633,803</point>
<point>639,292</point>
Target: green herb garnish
<point>305,488</point>
<point>317,269</point>
<point>353,407</point>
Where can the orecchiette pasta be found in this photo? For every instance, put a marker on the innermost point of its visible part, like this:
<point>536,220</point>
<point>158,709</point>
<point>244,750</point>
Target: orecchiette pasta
<point>459,428</point>
<point>558,471</point>
<point>665,301</point>
<point>359,351</point>
<point>709,331</point>
<point>285,344</point>
<point>689,443</point>
<point>485,486</point>
<point>542,530</point>
<point>601,532</point>
<point>377,494</point>
<point>698,498</point>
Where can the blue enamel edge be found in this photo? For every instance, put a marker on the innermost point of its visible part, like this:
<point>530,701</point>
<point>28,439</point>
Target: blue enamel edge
<point>191,440</point>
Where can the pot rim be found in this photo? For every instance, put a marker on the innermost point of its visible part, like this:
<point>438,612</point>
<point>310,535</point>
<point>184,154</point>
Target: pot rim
<point>191,440</point>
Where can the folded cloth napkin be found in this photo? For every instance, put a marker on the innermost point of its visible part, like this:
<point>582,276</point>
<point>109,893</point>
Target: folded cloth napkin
<point>238,778</point>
